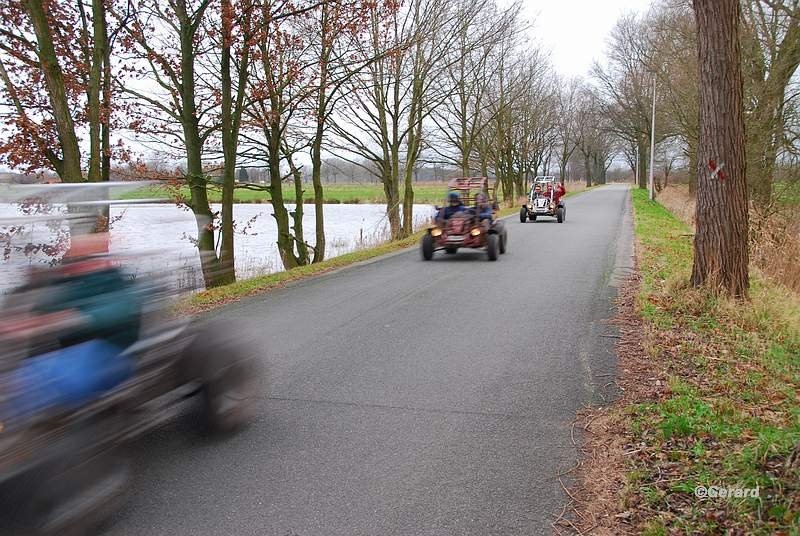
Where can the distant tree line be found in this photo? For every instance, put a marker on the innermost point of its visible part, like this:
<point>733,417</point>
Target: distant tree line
<point>311,92</point>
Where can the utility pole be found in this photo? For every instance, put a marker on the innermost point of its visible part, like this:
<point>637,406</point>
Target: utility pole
<point>652,141</point>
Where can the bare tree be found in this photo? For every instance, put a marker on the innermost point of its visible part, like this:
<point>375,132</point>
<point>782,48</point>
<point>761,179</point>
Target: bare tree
<point>469,81</point>
<point>380,122</point>
<point>626,86</point>
<point>166,38</point>
<point>771,46</point>
<point>566,124</point>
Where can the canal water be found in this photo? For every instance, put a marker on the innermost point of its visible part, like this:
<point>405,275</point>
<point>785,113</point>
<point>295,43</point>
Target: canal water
<point>158,238</point>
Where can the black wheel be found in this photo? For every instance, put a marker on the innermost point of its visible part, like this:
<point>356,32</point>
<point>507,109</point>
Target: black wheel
<point>229,396</point>
<point>451,251</point>
<point>503,239</point>
<point>560,214</point>
<point>77,491</point>
<point>427,247</point>
<point>492,246</point>
<point>533,218</point>
<point>523,215</point>
<point>229,373</point>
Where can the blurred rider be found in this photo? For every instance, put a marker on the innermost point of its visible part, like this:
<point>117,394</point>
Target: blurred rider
<point>485,211</point>
<point>91,284</point>
<point>560,192</point>
<point>99,312</point>
<point>454,205</point>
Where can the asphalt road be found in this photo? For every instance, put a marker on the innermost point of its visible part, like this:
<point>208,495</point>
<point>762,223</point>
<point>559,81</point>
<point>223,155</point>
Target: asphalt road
<point>408,397</point>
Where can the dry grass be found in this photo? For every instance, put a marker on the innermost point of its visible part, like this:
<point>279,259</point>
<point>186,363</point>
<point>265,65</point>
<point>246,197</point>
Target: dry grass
<point>775,248</point>
<point>679,201</point>
<point>774,239</point>
<point>597,500</point>
<point>710,398</point>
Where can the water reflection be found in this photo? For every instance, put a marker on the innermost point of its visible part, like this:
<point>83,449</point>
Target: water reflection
<point>159,236</point>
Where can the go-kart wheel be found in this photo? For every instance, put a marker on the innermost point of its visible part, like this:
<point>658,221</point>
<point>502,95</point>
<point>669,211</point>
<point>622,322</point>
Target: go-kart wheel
<point>75,492</point>
<point>502,245</point>
<point>427,247</point>
<point>492,246</point>
<point>229,373</point>
<point>523,215</point>
<point>229,396</point>
<point>560,214</point>
<point>533,218</point>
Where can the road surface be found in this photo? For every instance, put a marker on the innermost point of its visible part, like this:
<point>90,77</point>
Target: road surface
<point>408,397</point>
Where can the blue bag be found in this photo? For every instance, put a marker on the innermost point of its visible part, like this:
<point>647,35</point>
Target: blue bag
<point>68,377</point>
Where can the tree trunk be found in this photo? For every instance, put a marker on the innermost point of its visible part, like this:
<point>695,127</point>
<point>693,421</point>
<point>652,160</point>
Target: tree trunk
<point>279,212</point>
<point>193,142</point>
<point>414,141</point>
<point>587,169</point>
<point>227,273</point>
<point>105,144</point>
<point>391,188</point>
<point>692,170</point>
<point>297,214</point>
<point>644,162</point>
<point>720,244</point>
<point>316,181</point>
<point>316,150</point>
<point>762,150</point>
<point>69,169</point>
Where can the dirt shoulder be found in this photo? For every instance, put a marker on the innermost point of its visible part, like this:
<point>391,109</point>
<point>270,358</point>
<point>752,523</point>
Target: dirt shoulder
<point>710,405</point>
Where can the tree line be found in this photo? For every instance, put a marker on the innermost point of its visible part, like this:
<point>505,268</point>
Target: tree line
<point>726,104</point>
<point>387,86</point>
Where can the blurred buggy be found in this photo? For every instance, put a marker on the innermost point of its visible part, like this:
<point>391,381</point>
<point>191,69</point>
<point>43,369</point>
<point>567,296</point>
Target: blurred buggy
<point>472,226</point>
<point>91,359</point>
<point>543,201</point>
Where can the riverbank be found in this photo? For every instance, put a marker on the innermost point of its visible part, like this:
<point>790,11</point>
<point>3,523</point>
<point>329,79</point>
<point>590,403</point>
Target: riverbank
<point>710,401</point>
<point>425,193</point>
<point>339,193</point>
<point>216,297</point>
<point>212,298</point>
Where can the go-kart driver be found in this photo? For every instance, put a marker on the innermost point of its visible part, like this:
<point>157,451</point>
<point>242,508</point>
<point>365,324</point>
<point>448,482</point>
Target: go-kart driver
<point>454,205</point>
<point>484,210</point>
<point>88,292</point>
<point>559,193</point>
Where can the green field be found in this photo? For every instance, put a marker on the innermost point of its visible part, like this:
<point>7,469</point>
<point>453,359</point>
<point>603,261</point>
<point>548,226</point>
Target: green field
<point>333,193</point>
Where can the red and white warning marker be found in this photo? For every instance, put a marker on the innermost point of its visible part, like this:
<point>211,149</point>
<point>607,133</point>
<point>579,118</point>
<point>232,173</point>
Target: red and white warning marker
<point>717,171</point>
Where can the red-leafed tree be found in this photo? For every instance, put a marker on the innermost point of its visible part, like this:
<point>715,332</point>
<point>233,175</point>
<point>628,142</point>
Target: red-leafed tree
<point>56,87</point>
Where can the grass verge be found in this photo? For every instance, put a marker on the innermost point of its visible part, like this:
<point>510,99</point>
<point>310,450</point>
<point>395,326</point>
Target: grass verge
<point>216,297</point>
<point>710,399</point>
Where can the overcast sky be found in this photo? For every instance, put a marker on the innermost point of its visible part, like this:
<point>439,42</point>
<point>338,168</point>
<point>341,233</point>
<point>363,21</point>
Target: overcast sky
<point>576,30</point>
